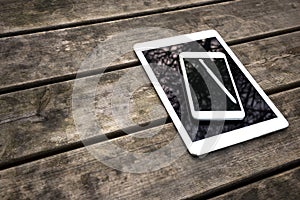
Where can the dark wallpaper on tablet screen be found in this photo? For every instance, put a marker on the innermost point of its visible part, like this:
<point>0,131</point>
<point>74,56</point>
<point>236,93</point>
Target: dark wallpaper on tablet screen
<point>165,65</point>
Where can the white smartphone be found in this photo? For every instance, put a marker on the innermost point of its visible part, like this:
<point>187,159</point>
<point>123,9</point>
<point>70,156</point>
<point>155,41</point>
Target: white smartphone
<point>210,87</point>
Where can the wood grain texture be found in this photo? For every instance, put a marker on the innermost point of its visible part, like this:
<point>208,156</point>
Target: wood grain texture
<point>77,175</point>
<point>24,15</point>
<point>282,186</point>
<point>48,55</point>
<point>41,119</point>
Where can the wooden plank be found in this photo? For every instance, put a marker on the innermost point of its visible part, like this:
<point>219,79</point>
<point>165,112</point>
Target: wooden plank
<point>77,175</point>
<point>48,55</point>
<point>282,186</point>
<point>24,15</point>
<point>41,119</point>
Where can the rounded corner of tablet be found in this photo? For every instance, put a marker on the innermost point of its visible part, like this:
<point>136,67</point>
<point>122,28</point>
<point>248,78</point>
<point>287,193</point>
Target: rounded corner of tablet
<point>192,150</point>
<point>196,149</point>
<point>213,32</point>
<point>137,46</point>
<point>286,123</point>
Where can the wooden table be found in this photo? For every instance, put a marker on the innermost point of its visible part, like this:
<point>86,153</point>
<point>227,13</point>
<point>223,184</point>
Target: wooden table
<point>42,44</point>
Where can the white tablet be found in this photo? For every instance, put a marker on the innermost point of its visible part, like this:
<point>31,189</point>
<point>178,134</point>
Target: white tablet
<point>160,59</point>
<point>210,88</point>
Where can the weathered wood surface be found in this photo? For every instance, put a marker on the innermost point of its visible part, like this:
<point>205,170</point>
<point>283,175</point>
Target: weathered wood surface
<point>48,55</point>
<point>77,175</point>
<point>40,119</point>
<point>282,186</point>
<point>23,15</point>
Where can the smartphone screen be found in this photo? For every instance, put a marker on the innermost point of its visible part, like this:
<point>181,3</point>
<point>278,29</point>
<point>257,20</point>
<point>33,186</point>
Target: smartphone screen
<point>204,88</point>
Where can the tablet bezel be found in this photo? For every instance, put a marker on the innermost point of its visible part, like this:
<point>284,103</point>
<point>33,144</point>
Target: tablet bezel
<point>210,115</point>
<point>222,140</point>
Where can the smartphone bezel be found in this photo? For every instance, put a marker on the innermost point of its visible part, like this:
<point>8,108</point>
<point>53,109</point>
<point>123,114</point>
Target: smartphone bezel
<point>210,115</point>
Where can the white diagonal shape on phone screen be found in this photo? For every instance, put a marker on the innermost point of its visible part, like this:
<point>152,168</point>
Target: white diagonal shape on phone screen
<point>213,76</point>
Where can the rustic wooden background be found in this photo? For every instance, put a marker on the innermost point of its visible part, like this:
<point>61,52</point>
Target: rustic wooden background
<point>43,42</point>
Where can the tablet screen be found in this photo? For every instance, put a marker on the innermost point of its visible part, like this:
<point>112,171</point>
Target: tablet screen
<point>165,64</point>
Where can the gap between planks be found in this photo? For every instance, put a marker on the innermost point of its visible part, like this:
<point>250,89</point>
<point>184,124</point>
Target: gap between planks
<point>113,134</point>
<point>112,18</point>
<point>72,76</point>
<point>79,144</point>
<point>279,186</point>
<point>248,180</point>
<point>263,170</point>
<point>35,57</point>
